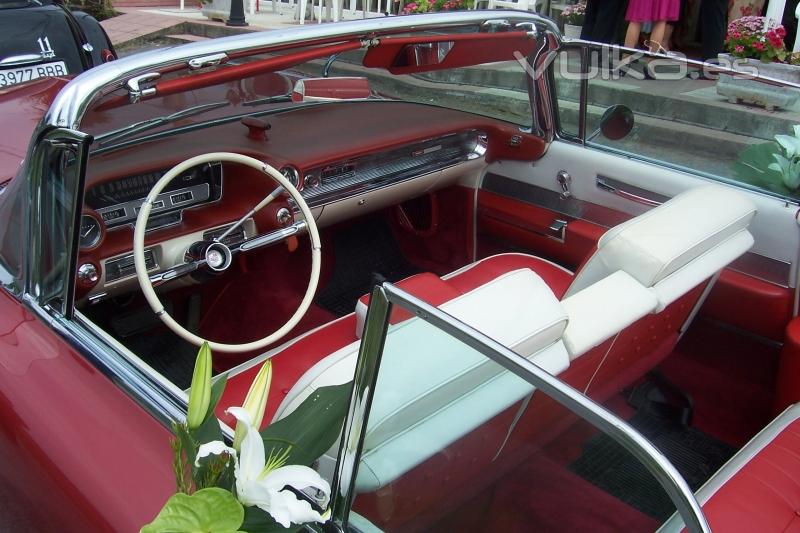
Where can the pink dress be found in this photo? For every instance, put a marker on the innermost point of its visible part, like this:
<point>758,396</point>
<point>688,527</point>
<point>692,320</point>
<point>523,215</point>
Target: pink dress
<point>653,10</point>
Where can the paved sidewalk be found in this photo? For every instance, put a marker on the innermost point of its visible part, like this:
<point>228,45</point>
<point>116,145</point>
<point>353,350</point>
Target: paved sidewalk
<point>137,24</point>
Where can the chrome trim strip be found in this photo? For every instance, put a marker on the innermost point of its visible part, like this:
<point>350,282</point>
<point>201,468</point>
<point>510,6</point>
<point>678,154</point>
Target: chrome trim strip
<point>630,192</point>
<point>391,166</point>
<point>74,99</point>
<point>547,199</point>
<point>764,268</point>
<point>737,462</point>
<point>387,295</point>
<point>163,404</point>
<point>370,353</point>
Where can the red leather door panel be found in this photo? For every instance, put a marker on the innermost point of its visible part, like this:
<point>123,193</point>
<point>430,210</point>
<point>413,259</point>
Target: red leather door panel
<point>527,226</point>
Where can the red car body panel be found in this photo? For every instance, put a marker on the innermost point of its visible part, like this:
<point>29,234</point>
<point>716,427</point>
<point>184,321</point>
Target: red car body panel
<point>73,462</point>
<point>22,107</point>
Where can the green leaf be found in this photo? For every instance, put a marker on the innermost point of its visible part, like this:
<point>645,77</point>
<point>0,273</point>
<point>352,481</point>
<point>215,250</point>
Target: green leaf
<point>206,511</point>
<point>258,521</point>
<point>312,428</point>
<point>753,164</point>
<point>790,144</point>
<point>216,393</point>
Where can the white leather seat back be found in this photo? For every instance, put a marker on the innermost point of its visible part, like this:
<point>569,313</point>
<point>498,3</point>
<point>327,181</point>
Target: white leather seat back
<point>433,387</point>
<point>696,233</point>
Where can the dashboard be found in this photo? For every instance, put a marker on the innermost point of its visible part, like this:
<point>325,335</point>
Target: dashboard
<point>390,157</point>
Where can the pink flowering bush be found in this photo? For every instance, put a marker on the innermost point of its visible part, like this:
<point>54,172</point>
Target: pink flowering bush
<point>749,38</point>
<point>420,6</point>
<point>425,6</point>
<point>574,14</point>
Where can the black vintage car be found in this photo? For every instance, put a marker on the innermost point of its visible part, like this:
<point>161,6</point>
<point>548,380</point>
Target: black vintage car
<point>42,39</point>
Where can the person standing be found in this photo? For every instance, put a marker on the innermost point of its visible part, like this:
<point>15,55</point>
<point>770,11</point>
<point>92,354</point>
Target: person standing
<point>602,20</point>
<point>659,12</point>
<point>713,25</point>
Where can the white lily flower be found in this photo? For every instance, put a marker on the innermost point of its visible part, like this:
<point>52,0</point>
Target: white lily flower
<point>260,481</point>
<point>255,402</point>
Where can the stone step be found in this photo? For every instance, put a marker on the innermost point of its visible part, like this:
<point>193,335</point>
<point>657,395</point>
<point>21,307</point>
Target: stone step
<point>186,37</point>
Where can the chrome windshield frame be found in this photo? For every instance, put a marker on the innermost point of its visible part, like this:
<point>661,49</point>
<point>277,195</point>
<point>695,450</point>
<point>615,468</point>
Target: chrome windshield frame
<point>382,300</point>
<point>69,107</point>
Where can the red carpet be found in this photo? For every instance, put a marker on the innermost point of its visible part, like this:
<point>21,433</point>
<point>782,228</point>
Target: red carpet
<point>731,378</point>
<point>540,495</point>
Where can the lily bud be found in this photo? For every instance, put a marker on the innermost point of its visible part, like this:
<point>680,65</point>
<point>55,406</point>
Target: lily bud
<point>200,393</point>
<point>255,402</point>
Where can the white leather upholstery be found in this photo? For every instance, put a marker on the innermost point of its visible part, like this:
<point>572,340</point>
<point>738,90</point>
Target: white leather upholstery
<point>661,242</point>
<point>433,389</point>
<point>603,309</point>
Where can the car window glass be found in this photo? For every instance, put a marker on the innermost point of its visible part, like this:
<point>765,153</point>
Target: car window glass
<point>56,230</point>
<point>454,442</point>
<point>567,75</point>
<point>497,90</point>
<point>729,129</point>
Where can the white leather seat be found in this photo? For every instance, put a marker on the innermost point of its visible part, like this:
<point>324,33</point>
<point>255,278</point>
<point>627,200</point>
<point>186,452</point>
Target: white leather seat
<point>668,251</point>
<point>432,389</point>
<point>648,262</point>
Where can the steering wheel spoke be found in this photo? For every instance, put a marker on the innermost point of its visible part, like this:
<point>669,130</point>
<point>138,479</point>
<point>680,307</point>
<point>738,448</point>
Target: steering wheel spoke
<point>175,272</point>
<point>272,237</point>
<point>217,256</point>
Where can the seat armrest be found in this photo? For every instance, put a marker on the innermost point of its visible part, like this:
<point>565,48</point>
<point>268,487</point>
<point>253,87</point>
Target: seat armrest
<point>603,309</point>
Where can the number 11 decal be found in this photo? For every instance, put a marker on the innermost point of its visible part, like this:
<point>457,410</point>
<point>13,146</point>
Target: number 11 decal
<point>44,45</point>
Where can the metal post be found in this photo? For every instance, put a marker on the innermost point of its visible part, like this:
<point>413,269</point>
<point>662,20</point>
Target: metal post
<point>796,47</point>
<point>237,14</point>
<point>775,10</point>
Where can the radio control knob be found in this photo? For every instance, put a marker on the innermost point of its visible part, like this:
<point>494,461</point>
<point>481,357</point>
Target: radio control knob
<point>87,273</point>
<point>311,181</point>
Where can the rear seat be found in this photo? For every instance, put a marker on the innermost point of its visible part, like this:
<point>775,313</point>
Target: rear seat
<point>759,488</point>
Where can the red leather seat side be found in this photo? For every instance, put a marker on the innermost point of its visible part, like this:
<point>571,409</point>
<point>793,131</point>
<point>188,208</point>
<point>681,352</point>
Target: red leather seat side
<point>765,494</point>
<point>288,366</point>
<point>426,286</point>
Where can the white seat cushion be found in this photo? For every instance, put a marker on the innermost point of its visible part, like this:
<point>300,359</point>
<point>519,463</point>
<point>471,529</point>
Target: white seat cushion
<point>657,244</point>
<point>425,373</point>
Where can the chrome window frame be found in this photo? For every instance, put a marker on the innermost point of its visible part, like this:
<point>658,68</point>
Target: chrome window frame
<point>585,48</point>
<point>382,301</point>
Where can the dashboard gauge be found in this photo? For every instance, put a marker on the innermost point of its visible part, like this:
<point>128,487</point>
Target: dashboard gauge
<point>91,231</point>
<point>291,174</point>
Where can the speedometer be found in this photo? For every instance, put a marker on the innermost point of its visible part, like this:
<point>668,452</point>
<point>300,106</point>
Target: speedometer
<point>91,231</point>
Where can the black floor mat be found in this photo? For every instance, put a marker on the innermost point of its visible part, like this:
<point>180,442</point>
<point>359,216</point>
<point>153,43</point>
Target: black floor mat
<point>607,465</point>
<point>360,251</point>
<point>168,354</point>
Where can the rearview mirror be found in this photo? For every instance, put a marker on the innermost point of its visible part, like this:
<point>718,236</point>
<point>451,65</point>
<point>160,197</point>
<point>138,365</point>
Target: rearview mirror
<point>616,123</point>
<point>325,89</point>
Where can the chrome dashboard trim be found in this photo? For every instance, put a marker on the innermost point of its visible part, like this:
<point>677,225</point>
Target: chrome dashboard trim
<point>367,173</point>
<point>200,193</point>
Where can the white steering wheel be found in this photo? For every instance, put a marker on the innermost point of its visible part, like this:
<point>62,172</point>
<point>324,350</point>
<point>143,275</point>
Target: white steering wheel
<point>218,257</point>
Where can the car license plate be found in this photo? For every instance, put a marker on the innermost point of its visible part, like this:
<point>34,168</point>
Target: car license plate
<point>12,76</point>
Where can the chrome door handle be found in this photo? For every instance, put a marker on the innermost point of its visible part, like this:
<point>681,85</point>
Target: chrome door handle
<point>606,185</point>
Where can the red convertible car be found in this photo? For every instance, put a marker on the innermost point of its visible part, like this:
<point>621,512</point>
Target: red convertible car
<point>559,298</point>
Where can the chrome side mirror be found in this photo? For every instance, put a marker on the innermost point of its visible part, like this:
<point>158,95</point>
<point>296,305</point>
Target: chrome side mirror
<point>615,124</point>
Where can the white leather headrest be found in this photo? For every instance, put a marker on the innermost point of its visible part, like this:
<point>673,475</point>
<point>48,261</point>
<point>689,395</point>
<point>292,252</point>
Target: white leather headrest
<point>665,239</point>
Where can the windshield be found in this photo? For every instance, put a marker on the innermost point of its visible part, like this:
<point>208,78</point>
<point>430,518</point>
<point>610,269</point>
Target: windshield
<point>445,72</point>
